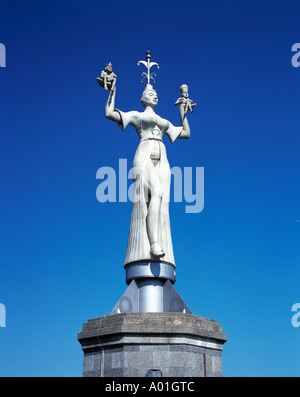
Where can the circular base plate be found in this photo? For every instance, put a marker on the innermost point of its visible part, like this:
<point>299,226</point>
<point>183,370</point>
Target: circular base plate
<point>149,269</point>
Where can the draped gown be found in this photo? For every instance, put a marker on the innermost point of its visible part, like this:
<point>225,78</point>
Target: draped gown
<point>150,158</point>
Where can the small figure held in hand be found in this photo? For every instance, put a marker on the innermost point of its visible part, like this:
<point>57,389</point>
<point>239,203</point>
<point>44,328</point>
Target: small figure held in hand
<point>108,78</point>
<point>184,100</point>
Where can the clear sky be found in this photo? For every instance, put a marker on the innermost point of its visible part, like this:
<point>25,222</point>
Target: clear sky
<point>62,251</point>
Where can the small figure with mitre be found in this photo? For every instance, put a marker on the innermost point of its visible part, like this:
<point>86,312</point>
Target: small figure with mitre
<point>108,78</point>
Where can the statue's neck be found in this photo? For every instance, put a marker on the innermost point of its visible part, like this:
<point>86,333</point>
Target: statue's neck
<point>149,109</point>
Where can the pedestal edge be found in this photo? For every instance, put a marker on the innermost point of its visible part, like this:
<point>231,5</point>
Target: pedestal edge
<point>112,329</point>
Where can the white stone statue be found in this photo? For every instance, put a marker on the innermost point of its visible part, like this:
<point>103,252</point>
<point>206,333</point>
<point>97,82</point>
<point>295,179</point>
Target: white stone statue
<point>149,234</point>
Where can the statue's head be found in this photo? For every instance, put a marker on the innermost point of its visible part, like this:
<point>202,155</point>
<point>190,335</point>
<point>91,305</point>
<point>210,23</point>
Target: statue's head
<point>149,97</point>
<point>184,89</point>
<point>108,67</point>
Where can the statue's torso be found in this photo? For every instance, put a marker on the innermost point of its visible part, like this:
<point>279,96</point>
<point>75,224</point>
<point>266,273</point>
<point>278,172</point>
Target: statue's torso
<point>149,128</point>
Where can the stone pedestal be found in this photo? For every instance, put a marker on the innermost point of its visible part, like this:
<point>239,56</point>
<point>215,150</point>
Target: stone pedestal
<point>131,344</point>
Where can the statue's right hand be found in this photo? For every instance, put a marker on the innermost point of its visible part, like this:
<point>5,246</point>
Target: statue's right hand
<point>108,85</point>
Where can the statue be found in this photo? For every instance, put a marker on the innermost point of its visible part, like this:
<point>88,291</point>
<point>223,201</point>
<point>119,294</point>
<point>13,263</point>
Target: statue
<point>150,234</point>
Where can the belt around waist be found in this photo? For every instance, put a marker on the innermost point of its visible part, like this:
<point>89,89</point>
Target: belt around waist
<point>151,139</point>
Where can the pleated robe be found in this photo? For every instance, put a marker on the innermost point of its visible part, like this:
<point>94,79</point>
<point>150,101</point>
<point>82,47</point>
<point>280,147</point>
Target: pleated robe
<point>138,247</point>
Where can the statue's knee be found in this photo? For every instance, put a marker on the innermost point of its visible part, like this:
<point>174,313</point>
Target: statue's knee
<point>157,195</point>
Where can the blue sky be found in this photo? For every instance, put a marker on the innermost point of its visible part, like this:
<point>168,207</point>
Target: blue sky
<point>62,252</point>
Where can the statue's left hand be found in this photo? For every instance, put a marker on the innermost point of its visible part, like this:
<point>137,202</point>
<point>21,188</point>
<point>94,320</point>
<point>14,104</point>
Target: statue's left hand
<point>182,110</point>
<point>113,84</point>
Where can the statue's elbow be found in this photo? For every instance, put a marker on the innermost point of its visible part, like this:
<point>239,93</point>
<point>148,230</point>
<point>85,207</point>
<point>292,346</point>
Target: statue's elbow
<point>108,114</point>
<point>112,115</point>
<point>185,134</point>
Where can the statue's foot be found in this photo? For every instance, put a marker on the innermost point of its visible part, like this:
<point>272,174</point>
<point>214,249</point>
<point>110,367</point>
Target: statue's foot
<point>156,250</point>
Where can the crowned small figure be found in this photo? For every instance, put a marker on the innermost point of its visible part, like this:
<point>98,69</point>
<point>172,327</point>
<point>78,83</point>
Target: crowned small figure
<point>150,233</point>
<point>107,79</point>
<point>185,100</point>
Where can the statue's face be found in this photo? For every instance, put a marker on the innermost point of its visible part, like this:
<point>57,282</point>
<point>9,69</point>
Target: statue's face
<point>150,98</point>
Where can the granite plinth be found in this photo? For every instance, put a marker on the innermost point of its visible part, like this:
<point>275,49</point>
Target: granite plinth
<point>130,344</point>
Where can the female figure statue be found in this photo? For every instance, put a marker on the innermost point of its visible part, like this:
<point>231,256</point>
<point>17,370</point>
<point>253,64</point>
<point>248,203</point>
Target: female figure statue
<point>149,235</point>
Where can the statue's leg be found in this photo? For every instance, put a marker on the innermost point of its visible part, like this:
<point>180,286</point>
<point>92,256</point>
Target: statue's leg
<point>154,191</point>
